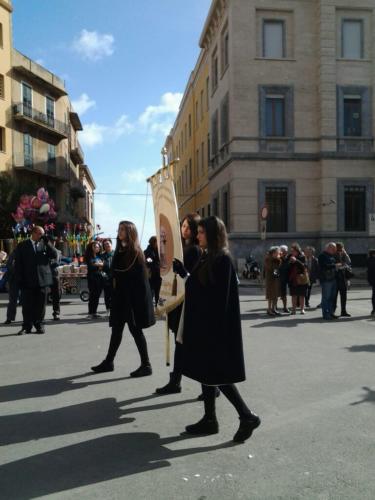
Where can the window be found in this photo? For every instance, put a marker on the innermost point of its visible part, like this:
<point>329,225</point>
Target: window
<point>185,135</point>
<point>214,134</point>
<point>189,126</point>
<point>214,71</point>
<point>196,115</point>
<point>355,208</point>
<point>225,208</point>
<point>51,159</point>
<point>202,104</point>
<point>2,89</point>
<point>352,116</point>
<point>2,139</point>
<point>28,150</point>
<point>202,157</point>
<point>207,93</point>
<point>202,212</point>
<point>208,149</point>
<point>182,142</point>
<point>208,209</point>
<point>190,174</point>
<point>1,36</point>
<point>224,118</point>
<point>215,206</point>
<point>273,38</point>
<point>50,111</point>
<point>224,50</point>
<point>275,116</point>
<point>352,39</point>
<point>276,199</point>
<point>27,99</point>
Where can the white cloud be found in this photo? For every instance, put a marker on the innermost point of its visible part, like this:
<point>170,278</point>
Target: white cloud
<point>135,176</point>
<point>83,104</point>
<point>93,46</point>
<point>159,119</point>
<point>153,121</point>
<point>40,61</point>
<point>94,134</point>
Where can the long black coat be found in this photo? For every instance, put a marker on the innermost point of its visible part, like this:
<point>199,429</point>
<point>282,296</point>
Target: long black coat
<point>371,271</point>
<point>131,296</point>
<point>192,254</point>
<point>212,336</point>
<point>32,268</point>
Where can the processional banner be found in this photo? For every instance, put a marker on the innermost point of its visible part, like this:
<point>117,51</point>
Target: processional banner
<point>169,239</point>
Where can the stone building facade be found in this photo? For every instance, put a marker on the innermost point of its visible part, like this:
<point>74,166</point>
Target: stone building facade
<point>291,121</point>
<point>5,84</point>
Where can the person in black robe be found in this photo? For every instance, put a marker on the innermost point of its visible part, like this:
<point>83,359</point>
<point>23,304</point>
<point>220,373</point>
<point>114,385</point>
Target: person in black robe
<point>211,335</point>
<point>153,266</point>
<point>191,252</point>
<point>131,299</point>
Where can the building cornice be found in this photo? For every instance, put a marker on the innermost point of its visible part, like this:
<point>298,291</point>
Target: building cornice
<point>212,21</point>
<point>7,5</point>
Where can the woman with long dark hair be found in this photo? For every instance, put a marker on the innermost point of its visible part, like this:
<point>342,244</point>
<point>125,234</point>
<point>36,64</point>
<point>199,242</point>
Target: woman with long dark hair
<point>211,334</point>
<point>131,299</point>
<point>191,251</point>
<point>94,276</point>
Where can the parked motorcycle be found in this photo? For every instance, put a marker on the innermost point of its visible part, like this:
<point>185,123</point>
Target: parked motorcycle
<point>252,269</point>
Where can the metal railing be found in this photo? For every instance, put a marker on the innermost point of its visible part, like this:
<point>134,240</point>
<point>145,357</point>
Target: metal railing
<point>53,167</point>
<point>49,121</point>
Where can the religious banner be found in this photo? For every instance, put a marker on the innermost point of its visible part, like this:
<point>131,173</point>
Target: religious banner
<point>169,239</point>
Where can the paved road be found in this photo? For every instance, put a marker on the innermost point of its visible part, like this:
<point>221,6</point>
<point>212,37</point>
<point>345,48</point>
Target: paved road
<point>69,434</point>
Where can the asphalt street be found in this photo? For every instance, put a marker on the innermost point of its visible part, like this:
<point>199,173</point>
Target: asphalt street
<point>66,433</point>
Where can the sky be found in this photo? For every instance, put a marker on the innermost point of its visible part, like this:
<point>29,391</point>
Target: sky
<point>125,64</point>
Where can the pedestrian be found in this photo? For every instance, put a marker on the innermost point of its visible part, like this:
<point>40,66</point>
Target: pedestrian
<point>153,266</point>
<point>55,287</point>
<point>192,253</point>
<point>371,277</point>
<point>107,257</point>
<point>283,271</point>
<point>210,333</point>
<point>312,266</point>
<point>327,278</point>
<point>131,299</point>
<point>272,263</point>
<point>13,288</point>
<point>94,276</point>
<point>343,274</point>
<point>297,277</point>
<point>34,276</point>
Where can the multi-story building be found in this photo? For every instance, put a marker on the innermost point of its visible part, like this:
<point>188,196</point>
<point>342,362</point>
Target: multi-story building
<point>5,84</point>
<point>291,120</point>
<point>86,208</point>
<point>188,142</point>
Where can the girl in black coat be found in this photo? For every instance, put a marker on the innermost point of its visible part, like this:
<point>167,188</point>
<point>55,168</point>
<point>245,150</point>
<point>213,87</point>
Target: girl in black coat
<point>371,276</point>
<point>94,276</point>
<point>131,299</point>
<point>211,335</point>
<point>192,253</point>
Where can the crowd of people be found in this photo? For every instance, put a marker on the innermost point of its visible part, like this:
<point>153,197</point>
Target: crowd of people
<point>299,270</point>
<point>207,326</point>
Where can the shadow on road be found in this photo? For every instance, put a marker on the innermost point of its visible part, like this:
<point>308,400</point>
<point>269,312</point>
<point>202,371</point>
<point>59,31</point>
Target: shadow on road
<point>369,397</point>
<point>92,462</point>
<point>49,387</point>
<point>361,348</point>
<point>295,321</point>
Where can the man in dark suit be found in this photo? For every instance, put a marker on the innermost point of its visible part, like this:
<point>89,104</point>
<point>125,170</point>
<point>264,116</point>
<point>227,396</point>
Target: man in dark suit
<point>33,273</point>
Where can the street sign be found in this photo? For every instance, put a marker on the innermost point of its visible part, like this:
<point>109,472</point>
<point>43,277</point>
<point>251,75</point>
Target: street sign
<point>371,225</point>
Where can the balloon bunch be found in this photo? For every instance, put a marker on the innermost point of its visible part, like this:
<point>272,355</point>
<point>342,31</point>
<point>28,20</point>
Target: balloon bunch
<point>35,209</point>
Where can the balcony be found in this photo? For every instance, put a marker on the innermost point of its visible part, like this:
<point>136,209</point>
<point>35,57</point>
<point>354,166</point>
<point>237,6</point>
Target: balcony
<point>57,168</point>
<point>46,123</point>
<point>76,154</point>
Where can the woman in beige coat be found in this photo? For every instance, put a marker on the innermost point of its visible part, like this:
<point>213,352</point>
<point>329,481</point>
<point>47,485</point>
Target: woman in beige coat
<point>272,279</point>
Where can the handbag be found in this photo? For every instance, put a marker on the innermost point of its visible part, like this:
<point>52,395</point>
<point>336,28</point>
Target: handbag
<point>348,273</point>
<point>302,279</point>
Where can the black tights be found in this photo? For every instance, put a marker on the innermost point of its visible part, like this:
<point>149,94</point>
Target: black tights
<point>232,394</point>
<point>373,297</point>
<point>139,339</point>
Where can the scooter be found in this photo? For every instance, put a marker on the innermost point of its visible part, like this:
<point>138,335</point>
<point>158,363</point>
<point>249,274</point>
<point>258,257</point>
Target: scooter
<point>252,269</point>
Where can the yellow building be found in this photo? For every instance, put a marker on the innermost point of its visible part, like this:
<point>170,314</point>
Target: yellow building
<point>5,85</point>
<point>188,143</point>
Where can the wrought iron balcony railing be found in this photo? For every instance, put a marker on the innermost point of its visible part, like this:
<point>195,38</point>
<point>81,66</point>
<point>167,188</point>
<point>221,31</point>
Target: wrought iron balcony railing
<point>46,121</point>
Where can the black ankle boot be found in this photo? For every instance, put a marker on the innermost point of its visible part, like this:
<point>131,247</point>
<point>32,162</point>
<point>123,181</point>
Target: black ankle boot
<point>246,428</point>
<point>142,371</point>
<point>204,426</point>
<point>104,366</point>
<point>173,386</point>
